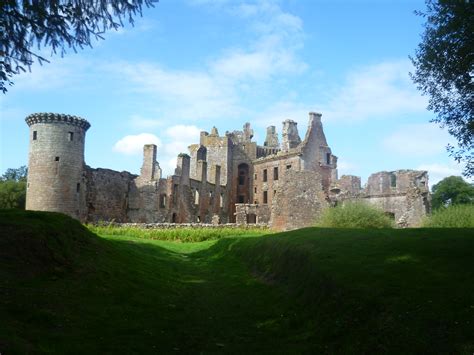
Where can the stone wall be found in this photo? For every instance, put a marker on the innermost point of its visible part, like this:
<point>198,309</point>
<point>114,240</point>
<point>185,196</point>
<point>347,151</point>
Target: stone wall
<point>107,195</point>
<point>298,202</point>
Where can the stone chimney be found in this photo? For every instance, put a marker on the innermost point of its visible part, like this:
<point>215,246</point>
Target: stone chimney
<point>272,138</point>
<point>150,169</point>
<point>290,136</point>
<point>183,168</point>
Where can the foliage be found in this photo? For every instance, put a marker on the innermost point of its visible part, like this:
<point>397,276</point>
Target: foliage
<point>452,190</point>
<point>354,215</point>
<point>175,234</point>
<point>18,174</point>
<point>58,24</point>
<point>444,65</point>
<point>12,194</point>
<point>13,188</point>
<point>455,216</point>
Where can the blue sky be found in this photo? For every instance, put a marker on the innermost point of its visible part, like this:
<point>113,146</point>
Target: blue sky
<point>188,65</point>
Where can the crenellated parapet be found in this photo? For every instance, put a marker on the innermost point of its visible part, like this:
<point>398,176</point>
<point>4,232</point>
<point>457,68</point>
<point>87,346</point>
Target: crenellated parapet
<point>49,117</point>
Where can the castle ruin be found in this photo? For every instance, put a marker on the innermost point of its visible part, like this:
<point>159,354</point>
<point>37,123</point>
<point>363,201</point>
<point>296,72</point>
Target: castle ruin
<point>223,179</point>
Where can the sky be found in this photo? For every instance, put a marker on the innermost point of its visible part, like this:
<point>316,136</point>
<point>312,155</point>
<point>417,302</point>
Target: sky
<point>188,65</point>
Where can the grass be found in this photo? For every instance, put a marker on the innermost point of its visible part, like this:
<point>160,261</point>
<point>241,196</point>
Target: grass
<point>456,216</point>
<point>64,289</point>
<point>185,235</point>
<point>354,214</point>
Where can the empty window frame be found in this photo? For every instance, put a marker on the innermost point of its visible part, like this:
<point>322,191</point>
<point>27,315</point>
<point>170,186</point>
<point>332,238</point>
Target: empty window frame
<point>393,180</point>
<point>288,167</point>
<point>221,201</point>
<point>265,175</point>
<point>162,201</point>
<point>35,135</point>
<point>265,197</point>
<point>56,159</point>
<point>196,197</point>
<point>328,158</point>
<point>70,136</point>
<point>275,173</point>
<point>78,187</point>
<point>241,199</point>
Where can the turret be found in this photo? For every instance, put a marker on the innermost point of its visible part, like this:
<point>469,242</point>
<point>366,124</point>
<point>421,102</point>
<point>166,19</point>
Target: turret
<point>56,164</point>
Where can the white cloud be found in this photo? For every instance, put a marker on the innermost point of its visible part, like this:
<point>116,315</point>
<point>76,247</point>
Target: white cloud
<point>179,137</point>
<point>438,171</point>
<point>218,89</point>
<point>133,144</point>
<point>418,140</point>
<point>346,168</point>
<point>384,89</point>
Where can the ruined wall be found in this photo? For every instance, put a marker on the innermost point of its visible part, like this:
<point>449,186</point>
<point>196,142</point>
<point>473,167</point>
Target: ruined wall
<point>298,202</point>
<point>350,184</point>
<point>107,194</point>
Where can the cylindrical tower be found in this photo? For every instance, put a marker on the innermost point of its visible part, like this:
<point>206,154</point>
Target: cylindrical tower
<point>56,180</point>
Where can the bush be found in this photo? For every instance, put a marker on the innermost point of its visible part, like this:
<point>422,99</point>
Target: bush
<point>456,216</point>
<point>354,215</point>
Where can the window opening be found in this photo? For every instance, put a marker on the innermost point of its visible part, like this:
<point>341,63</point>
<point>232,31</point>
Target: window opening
<point>275,173</point>
<point>78,187</point>
<point>288,167</point>
<point>162,201</point>
<point>265,197</point>
<point>241,198</point>
<point>328,158</point>
<point>265,177</point>
<point>35,135</point>
<point>196,197</point>
<point>70,136</point>
<point>393,180</point>
<point>56,159</point>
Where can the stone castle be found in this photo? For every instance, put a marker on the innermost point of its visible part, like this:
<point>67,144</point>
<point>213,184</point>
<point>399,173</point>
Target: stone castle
<point>223,179</point>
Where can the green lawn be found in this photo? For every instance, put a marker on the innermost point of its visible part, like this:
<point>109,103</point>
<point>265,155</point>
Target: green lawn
<point>66,290</point>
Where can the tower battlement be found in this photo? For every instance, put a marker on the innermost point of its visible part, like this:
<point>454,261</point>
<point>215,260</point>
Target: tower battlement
<point>49,117</point>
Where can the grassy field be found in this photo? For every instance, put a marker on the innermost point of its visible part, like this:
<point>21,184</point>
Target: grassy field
<point>66,290</point>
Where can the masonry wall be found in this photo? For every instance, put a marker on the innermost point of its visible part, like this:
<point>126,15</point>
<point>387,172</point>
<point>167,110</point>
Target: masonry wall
<point>107,196</point>
<point>298,202</point>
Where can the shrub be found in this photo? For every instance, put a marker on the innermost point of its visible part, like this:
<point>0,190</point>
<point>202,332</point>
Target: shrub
<point>354,215</point>
<point>455,216</point>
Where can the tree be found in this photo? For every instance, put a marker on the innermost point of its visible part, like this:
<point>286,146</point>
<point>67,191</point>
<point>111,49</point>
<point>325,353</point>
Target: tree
<point>444,70</point>
<point>13,188</point>
<point>58,24</point>
<point>452,190</point>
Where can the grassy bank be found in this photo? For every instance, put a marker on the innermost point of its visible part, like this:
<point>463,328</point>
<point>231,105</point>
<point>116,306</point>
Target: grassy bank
<point>64,289</point>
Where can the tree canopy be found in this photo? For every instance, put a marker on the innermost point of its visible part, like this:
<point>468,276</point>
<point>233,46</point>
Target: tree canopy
<point>13,188</point>
<point>28,26</point>
<point>452,190</point>
<point>444,70</point>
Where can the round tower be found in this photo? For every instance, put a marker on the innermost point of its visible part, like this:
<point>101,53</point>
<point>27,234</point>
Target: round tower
<point>56,165</point>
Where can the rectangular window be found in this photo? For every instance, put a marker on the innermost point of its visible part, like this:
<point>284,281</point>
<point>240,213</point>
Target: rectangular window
<point>255,176</point>
<point>274,192</point>
<point>265,177</point>
<point>56,159</point>
<point>328,158</point>
<point>393,180</point>
<point>70,136</point>
<point>288,167</point>
<point>221,202</point>
<point>265,197</point>
<point>275,173</point>
<point>162,201</point>
<point>78,187</point>
<point>241,198</point>
<point>35,135</point>
<point>255,190</point>
<point>196,197</point>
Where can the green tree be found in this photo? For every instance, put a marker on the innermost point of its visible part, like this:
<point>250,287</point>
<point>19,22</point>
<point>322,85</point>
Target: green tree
<point>452,190</point>
<point>13,188</point>
<point>444,69</point>
<point>57,24</point>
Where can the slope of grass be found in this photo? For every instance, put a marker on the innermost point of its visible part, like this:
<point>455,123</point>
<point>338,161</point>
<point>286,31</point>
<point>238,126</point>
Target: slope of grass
<point>313,290</point>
